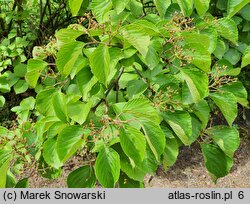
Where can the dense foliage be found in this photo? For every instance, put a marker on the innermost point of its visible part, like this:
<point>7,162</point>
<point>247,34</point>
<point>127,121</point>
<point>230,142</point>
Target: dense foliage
<point>120,84</point>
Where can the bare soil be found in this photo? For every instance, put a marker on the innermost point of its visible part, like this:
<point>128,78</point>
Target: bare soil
<point>188,172</point>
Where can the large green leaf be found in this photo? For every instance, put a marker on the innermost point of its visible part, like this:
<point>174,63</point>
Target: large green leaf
<point>85,81</point>
<point>34,69</point>
<point>135,171</point>
<point>3,173</point>
<point>141,109</point>
<point>135,88</point>
<point>100,63</point>
<point>50,153</point>
<point>59,104</point>
<point>220,49</point>
<point>137,37</point>
<point>69,140</point>
<point>186,6</point>
<point>197,82</point>
<point>227,103</point>
<point>238,90</point>
<point>133,143</point>
<point>126,182</point>
<point>201,6</point>
<point>75,6</point>
<point>44,101</point>
<point>233,6</point>
<point>107,167</point>
<point>155,138</point>
<point>162,6</point>
<point>99,8</point>
<point>181,123</point>
<point>83,177</point>
<point>227,138</point>
<point>120,5</point>
<point>227,28</point>
<point>202,110</point>
<point>233,56</point>
<point>23,183</point>
<point>79,111</point>
<point>67,35</point>
<point>70,58</point>
<point>170,153</point>
<point>200,56</point>
<point>246,57</point>
<point>216,161</point>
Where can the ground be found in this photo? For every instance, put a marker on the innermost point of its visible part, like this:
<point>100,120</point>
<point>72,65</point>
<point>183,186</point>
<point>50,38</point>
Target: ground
<point>188,172</point>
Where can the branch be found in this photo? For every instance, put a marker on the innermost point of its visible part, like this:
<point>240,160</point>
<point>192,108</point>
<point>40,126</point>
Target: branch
<point>109,89</point>
<point>144,80</point>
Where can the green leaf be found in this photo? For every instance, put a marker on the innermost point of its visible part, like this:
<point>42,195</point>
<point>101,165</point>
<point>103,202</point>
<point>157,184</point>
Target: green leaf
<point>44,101</point>
<point>50,154</point>
<point>21,86</point>
<point>133,143</point>
<point>200,56</point>
<point>170,153</point>
<point>162,6</point>
<point>85,81</point>
<point>201,6</point>
<point>107,167</point>
<point>181,123</point>
<point>233,6</point>
<point>216,161</point>
<point>10,180</point>
<point>137,37</point>
<point>34,69</point>
<point>244,12</point>
<point>70,58</point>
<point>60,107</point>
<point>69,140</point>
<point>220,49</point>
<point>186,6</point>
<point>2,101</point>
<point>99,8</point>
<point>4,84</point>
<point>141,109</point>
<point>226,102</point>
<point>233,56</point>
<point>197,82</point>
<point>246,57</point>
<point>135,171</point>
<point>238,90</point>
<point>20,70</point>
<point>227,138</point>
<point>75,5</point>
<point>79,111</point>
<point>3,173</point>
<point>100,62</point>
<point>23,183</point>
<point>83,177</point>
<point>135,88</point>
<point>202,110</point>
<point>126,182</point>
<point>227,29</point>
<point>120,5</point>
<point>155,138</point>
<point>67,35</point>
<point>190,38</point>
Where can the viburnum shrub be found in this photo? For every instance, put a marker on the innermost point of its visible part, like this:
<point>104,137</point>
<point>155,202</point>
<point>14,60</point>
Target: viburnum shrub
<point>124,88</point>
